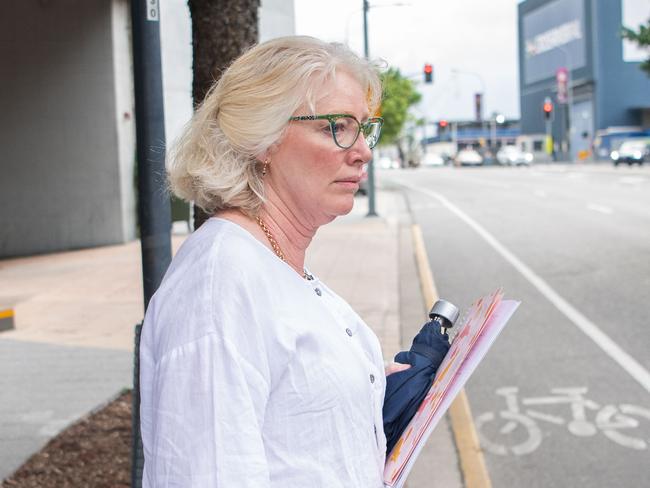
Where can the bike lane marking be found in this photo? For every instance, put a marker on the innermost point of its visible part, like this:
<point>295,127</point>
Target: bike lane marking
<point>591,330</point>
<point>614,421</point>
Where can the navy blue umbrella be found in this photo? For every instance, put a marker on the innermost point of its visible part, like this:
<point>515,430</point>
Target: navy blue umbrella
<point>406,389</point>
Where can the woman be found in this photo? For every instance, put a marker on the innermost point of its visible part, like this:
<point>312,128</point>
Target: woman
<point>253,372</point>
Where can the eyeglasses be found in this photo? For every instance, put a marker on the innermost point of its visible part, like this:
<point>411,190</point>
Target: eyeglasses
<point>345,128</point>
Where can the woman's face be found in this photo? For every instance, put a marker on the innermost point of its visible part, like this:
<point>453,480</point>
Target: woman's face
<point>314,177</point>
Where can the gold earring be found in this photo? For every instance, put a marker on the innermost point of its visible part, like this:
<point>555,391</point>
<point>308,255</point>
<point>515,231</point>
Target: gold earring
<point>264,167</point>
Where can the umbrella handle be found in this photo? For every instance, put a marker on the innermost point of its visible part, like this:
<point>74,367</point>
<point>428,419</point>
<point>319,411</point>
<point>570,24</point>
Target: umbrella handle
<point>445,313</point>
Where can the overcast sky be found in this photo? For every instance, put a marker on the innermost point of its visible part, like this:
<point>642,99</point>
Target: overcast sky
<point>478,38</point>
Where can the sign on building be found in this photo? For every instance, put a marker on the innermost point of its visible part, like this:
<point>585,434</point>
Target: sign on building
<point>562,77</point>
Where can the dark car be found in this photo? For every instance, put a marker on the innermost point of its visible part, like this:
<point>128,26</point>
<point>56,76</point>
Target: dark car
<point>631,152</point>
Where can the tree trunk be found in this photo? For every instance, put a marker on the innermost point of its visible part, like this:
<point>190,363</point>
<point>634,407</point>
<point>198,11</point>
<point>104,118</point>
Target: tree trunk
<point>221,31</point>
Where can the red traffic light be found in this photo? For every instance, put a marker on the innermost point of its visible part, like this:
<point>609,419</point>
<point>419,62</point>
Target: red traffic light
<point>428,73</point>
<point>547,108</point>
<point>443,123</point>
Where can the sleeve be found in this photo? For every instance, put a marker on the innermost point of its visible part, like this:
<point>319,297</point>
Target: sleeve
<point>208,405</point>
<point>406,389</point>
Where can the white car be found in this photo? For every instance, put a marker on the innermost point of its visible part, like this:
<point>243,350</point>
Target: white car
<point>385,162</point>
<point>630,152</point>
<point>432,159</point>
<point>468,157</point>
<point>514,156</point>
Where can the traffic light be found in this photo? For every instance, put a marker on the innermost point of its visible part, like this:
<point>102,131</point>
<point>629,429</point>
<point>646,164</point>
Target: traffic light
<point>443,123</point>
<point>428,73</point>
<point>548,108</point>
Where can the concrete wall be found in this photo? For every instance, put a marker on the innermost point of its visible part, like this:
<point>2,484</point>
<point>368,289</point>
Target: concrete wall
<point>66,125</point>
<point>176,52</point>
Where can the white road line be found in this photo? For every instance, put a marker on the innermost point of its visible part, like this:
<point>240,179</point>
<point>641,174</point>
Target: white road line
<point>602,340</point>
<point>631,180</point>
<point>540,193</point>
<point>600,208</point>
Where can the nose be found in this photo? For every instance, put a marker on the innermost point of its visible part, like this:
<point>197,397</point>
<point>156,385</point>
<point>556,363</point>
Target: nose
<point>362,153</point>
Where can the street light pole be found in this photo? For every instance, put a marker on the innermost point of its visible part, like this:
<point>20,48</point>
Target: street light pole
<point>569,105</point>
<point>482,82</point>
<point>371,166</point>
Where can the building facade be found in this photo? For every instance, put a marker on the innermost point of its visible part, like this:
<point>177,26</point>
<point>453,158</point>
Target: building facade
<point>571,53</point>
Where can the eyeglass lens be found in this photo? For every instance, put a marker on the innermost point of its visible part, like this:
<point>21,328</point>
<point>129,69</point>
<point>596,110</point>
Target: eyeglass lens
<point>346,130</point>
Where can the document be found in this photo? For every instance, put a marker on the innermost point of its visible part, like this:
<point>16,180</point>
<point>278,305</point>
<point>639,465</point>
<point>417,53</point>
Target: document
<point>481,324</point>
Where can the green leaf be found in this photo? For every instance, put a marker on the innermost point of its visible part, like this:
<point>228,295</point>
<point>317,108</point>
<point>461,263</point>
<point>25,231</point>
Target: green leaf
<point>399,95</point>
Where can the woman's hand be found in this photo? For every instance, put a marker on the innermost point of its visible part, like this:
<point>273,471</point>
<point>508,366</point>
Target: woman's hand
<point>395,368</point>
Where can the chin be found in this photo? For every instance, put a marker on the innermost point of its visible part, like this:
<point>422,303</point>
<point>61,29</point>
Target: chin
<point>342,206</point>
<point>346,206</point>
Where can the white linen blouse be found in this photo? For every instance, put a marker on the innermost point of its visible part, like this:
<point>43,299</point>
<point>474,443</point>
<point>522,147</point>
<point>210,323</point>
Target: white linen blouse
<point>252,376</point>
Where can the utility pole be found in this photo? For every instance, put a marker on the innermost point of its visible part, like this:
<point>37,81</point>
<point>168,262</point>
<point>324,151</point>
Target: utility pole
<point>371,166</point>
<point>153,204</point>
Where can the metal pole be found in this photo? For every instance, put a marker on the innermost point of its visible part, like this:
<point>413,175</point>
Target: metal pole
<point>568,114</point>
<point>493,135</point>
<point>482,82</point>
<point>154,206</point>
<point>569,67</point>
<point>371,166</point>
<point>548,135</point>
<point>153,201</point>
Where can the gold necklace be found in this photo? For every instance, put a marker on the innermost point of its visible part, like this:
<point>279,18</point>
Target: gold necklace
<point>275,246</point>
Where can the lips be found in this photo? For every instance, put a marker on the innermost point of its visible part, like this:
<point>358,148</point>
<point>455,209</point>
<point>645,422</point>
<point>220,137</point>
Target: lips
<point>352,179</point>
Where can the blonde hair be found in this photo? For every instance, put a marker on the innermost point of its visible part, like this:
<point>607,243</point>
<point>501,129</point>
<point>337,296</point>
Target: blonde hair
<point>215,162</point>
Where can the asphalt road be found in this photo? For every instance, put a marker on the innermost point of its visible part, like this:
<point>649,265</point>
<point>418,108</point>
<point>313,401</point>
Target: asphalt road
<point>573,244</point>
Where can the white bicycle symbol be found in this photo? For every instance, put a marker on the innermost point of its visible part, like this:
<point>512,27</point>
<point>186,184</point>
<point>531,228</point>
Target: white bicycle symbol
<point>614,421</point>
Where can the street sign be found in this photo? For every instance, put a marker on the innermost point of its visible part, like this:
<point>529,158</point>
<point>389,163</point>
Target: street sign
<point>562,78</point>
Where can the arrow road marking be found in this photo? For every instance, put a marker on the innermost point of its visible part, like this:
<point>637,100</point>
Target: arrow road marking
<point>591,330</point>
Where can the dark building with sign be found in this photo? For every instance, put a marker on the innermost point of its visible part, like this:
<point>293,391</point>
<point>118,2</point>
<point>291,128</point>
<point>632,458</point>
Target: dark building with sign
<point>571,53</point>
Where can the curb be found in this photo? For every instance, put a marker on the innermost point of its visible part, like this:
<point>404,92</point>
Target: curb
<point>6,319</point>
<point>472,462</point>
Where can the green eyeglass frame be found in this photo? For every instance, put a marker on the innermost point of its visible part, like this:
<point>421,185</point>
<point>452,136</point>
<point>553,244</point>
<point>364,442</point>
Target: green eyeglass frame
<point>371,129</point>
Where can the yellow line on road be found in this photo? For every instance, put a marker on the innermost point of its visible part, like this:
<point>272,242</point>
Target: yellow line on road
<point>472,462</point>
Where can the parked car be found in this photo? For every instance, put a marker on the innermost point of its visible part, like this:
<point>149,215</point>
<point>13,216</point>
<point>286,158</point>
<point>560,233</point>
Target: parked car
<point>385,162</point>
<point>514,156</point>
<point>363,184</point>
<point>432,159</point>
<point>468,157</point>
<point>632,151</point>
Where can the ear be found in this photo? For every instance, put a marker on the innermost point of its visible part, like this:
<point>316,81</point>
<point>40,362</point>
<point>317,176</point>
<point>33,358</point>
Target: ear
<point>269,153</point>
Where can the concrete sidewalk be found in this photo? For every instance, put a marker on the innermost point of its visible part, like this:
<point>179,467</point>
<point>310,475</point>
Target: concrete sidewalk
<point>72,347</point>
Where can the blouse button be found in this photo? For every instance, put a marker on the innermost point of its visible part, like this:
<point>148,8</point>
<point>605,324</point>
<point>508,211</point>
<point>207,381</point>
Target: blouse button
<point>372,378</point>
<point>348,332</point>
<point>318,292</point>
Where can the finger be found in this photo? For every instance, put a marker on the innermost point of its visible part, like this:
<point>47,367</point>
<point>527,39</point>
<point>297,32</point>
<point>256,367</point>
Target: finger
<point>396,368</point>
